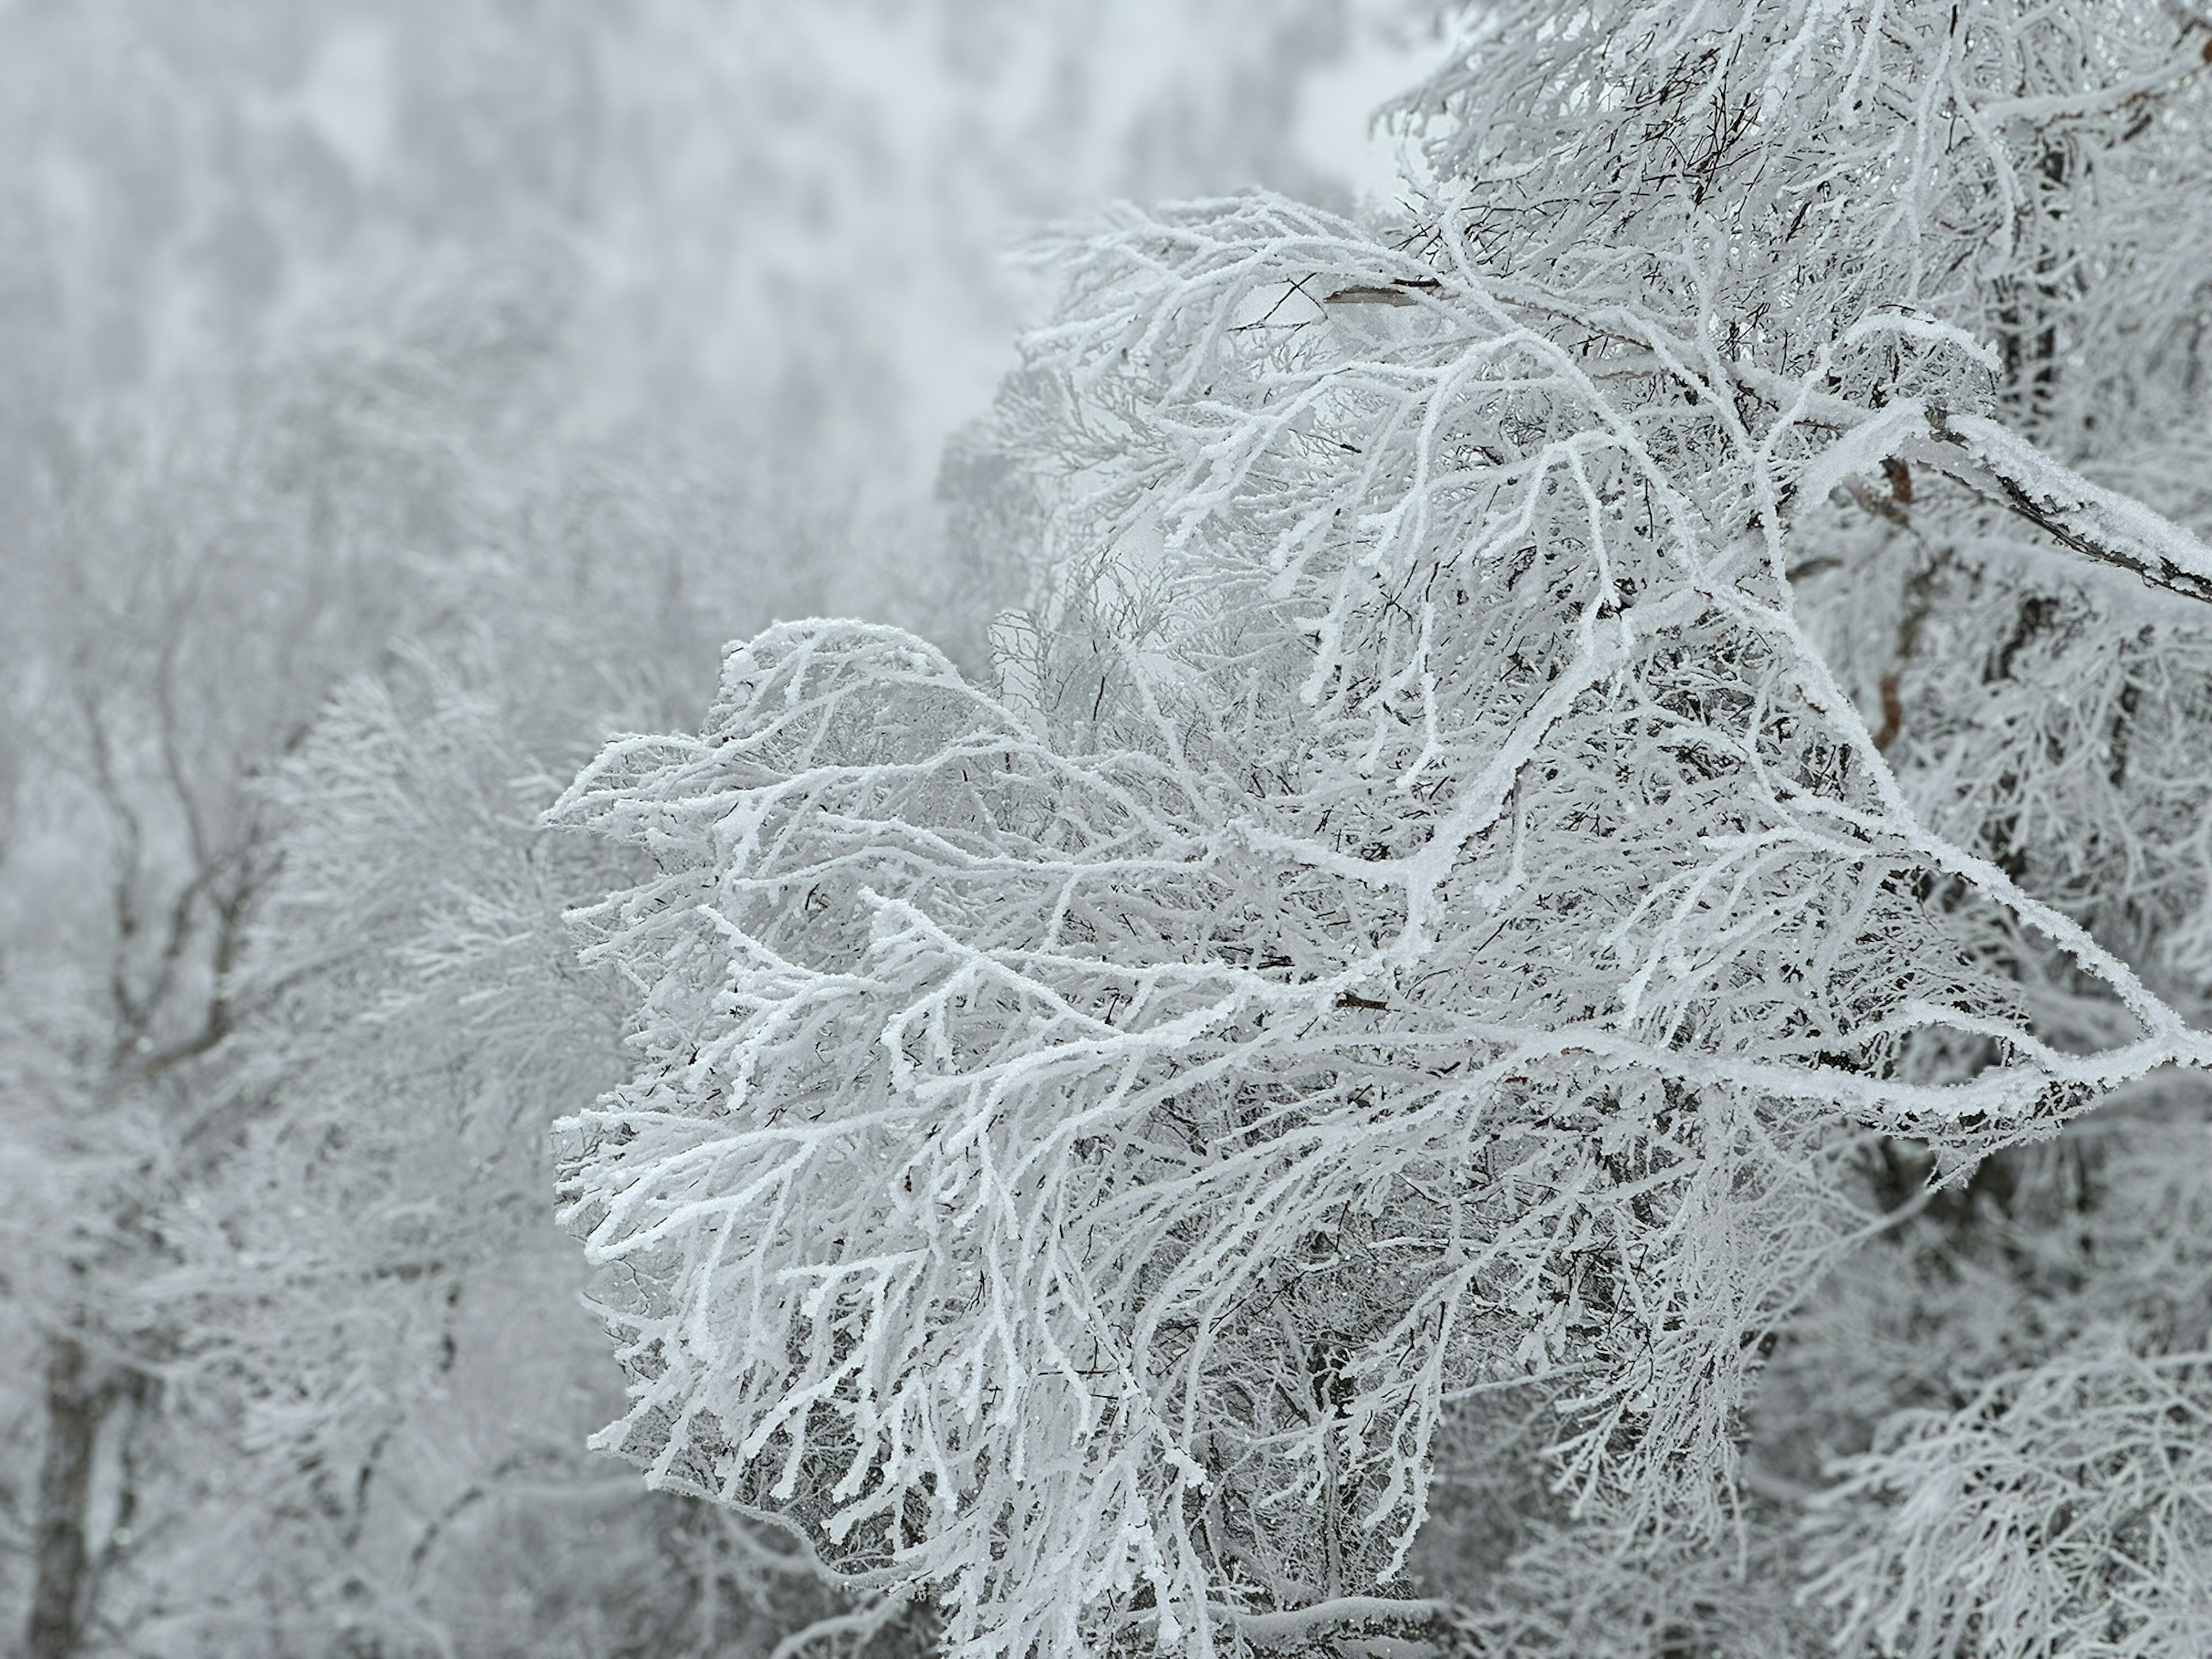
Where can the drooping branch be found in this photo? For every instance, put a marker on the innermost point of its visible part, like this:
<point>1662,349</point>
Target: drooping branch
<point>2007,470</point>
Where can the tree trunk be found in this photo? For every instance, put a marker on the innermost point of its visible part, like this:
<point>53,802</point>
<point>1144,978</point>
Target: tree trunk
<point>64,1494</point>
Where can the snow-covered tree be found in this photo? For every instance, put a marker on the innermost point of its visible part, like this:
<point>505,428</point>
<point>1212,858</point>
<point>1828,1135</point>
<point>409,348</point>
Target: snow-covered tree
<point>1538,746</point>
<point>182,594</point>
<point>317,1375</point>
<point>359,1299</point>
<point>362,270</point>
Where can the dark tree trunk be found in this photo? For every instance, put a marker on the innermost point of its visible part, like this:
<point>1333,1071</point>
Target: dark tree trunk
<point>64,1494</point>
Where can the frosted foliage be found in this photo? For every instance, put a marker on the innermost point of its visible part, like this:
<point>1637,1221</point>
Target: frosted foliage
<point>2012,1403</point>
<point>1421,914</point>
<point>2001,166</point>
<point>2062,726</point>
<point>2074,1496</point>
<point>1418,912</point>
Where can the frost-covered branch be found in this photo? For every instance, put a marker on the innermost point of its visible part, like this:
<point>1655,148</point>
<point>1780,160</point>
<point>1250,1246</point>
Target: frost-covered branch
<point>1417,908</point>
<point>2008,470</point>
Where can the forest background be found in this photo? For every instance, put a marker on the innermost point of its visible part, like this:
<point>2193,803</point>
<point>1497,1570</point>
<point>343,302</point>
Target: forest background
<point>1510,955</point>
<point>444,386</point>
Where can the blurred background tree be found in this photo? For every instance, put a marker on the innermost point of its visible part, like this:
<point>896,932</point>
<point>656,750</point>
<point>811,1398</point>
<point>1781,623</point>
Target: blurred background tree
<point>394,399</point>
<point>1570,814</point>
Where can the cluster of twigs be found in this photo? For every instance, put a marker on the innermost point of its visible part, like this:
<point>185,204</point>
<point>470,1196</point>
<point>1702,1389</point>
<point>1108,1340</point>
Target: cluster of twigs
<point>1418,913</point>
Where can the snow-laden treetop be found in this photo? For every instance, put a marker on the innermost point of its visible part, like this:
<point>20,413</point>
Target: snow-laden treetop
<point>1416,912</point>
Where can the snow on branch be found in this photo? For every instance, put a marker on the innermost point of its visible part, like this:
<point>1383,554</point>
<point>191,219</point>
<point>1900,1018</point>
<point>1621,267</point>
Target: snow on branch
<point>1430,920</point>
<point>2008,470</point>
<point>2080,1490</point>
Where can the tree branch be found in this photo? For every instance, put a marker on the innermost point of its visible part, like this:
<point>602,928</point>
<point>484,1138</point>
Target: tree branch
<point>2007,470</point>
<point>1297,1627</point>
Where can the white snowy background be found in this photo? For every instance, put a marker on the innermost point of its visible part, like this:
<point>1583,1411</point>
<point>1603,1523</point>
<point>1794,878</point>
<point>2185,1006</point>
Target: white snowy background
<point>325,327</point>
